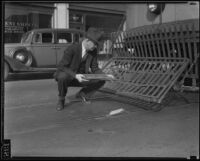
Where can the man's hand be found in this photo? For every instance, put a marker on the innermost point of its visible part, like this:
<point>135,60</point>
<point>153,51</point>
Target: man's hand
<point>110,76</point>
<point>80,77</point>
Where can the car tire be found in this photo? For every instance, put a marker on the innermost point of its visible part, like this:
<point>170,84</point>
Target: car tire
<point>6,71</point>
<point>28,57</point>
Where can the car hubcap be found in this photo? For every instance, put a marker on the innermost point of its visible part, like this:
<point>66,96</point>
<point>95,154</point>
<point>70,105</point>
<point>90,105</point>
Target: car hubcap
<point>20,57</point>
<point>24,58</point>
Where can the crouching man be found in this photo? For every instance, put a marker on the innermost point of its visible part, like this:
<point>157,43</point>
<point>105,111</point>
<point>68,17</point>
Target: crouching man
<point>76,61</point>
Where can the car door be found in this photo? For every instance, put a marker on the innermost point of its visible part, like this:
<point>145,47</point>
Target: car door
<point>44,50</point>
<point>63,41</point>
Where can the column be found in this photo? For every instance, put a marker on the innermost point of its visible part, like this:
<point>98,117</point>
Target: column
<point>61,15</point>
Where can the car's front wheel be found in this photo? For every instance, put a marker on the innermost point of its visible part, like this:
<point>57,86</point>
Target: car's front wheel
<point>6,71</point>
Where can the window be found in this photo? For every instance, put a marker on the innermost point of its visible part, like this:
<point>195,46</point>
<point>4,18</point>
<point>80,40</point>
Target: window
<point>64,37</point>
<point>37,38</point>
<point>43,38</point>
<point>26,37</point>
<point>47,38</point>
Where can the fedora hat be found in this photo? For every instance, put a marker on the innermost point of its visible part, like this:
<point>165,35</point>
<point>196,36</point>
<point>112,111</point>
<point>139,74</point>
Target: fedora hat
<point>94,34</point>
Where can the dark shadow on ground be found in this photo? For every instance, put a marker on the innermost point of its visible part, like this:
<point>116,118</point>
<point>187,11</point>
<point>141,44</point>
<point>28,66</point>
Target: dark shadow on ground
<point>29,76</point>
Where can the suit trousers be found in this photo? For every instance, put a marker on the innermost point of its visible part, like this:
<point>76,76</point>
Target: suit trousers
<point>65,80</point>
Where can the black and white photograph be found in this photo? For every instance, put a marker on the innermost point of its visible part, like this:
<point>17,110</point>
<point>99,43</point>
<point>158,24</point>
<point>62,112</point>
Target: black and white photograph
<point>95,80</point>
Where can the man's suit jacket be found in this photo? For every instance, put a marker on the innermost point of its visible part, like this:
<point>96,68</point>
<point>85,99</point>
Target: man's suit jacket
<point>72,59</point>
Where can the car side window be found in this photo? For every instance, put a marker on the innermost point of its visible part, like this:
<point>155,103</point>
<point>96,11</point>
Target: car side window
<point>63,37</point>
<point>47,37</point>
<point>37,38</point>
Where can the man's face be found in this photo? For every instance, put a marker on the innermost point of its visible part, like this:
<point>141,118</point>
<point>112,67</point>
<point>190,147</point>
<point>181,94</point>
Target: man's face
<point>89,45</point>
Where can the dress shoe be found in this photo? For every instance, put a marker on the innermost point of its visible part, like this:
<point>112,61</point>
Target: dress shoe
<point>60,105</point>
<point>81,95</point>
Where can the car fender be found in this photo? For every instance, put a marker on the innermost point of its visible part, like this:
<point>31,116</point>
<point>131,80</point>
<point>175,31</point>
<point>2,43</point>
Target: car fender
<point>13,50</point>
<point>19,48</point>
<point>16,65</point>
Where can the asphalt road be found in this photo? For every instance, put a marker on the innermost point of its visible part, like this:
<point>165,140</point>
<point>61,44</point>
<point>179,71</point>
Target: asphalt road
<point>37,129</point>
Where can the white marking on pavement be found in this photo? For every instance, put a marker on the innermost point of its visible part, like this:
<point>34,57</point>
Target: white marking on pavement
<point>114,112</point>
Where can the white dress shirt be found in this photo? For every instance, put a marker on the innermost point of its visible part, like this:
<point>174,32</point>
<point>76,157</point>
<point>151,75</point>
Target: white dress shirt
<point>83,51</point>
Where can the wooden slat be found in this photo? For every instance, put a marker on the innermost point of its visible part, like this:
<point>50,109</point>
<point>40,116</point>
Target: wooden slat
<point>133,43</point>
<point>137,44</point>
<point>167,41</point>
<point>141,44</point>
<point>177,42</point>
<point>163,45</point>
<point>158,44</point>
<point>145,44</point>
<point>149,39</point>
<point>154,53</point>
<point>184,54</point>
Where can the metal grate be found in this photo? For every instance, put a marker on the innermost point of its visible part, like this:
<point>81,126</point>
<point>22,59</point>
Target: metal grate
<point>168,40</point>
<point>147,78</point>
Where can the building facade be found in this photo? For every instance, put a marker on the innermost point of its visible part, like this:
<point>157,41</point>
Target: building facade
<point>139,15</point>
<point>22,17</point>
<point>85,15</point>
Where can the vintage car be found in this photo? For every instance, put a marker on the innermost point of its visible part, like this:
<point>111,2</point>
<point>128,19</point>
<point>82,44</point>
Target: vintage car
<point>39,50</point>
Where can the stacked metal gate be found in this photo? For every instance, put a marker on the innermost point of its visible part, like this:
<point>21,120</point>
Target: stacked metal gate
<point>148,61</point>
<point>147,79</point>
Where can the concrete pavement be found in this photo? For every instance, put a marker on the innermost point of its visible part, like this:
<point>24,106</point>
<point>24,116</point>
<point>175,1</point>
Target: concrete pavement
<point>37,129</point>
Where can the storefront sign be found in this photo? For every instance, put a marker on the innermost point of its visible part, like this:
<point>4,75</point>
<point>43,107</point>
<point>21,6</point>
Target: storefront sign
<point>17,27</point>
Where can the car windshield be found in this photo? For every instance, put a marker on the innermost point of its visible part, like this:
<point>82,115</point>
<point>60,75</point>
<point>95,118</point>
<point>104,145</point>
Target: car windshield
<point>26,37</point>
